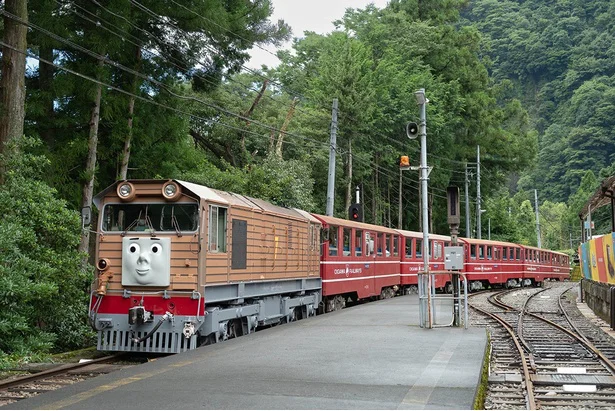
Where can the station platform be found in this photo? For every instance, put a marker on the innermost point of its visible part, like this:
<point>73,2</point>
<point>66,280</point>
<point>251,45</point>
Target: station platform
<point>370,356</point>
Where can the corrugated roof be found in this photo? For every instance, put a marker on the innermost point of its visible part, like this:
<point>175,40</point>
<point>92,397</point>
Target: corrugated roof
<point>348,223</point>
<point>488,242</point>
<point>407,233</point>
<point>600,198</point>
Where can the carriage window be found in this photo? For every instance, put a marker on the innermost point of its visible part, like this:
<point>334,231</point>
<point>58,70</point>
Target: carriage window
<point>395,246</point>
<point>505,253</point>
<point>358,240</point>
<point>437,249</point>
<point>388,245</point>
<point>217,229</point>
<point>346,241</point>
<point>147,217</point>
<point>369,244</point>
<point>430,248</point>
<point>380,244</point>
<point>408,247</point>
<point>511,252</point>
<point>489,252</point>
<point>481,252</point>
<point>517,254</point>
<point>496,253</point>
<point>333,240</point>
<point>419,248</point>
<point>473,251</point>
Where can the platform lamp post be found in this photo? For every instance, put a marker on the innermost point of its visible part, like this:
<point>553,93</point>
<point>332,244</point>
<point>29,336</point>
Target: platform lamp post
<point>425,281</point>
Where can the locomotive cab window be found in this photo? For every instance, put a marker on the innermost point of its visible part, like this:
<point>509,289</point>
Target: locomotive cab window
<point>150,217</point>
<point>217,229</point>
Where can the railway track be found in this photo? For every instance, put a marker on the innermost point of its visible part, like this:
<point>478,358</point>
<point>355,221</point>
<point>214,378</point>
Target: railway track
<point>543,354</point>
<point>19,388</point>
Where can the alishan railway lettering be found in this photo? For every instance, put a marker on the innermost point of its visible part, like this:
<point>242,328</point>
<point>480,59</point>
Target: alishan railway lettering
<point>347,271</point>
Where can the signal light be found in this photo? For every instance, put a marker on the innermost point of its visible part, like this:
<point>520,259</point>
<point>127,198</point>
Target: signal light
<point>404,162</point>
<point>355,212</point>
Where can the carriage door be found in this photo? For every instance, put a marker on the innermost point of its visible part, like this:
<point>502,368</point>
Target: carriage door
<point>369,266</point>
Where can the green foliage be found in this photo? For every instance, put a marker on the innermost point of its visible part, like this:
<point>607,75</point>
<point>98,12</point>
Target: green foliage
<point>559,56</point>
<point>43,289</point>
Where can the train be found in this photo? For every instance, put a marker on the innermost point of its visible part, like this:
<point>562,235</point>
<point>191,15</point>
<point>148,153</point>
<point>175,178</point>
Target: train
<point>180,265</point>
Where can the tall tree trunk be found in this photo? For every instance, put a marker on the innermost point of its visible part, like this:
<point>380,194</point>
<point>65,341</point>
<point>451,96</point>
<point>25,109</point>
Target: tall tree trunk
<point>90,166</point>
<point>349,174</point>
<point>45,84</point>
<point>289,115</point>
<point>249,113</point>
<point>376,191</point>
<point>131,111</point>
<point>389,202</point>
<point>12,83</point>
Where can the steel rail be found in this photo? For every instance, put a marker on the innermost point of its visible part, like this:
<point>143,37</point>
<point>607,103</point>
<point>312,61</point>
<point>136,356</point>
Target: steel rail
<point>529,386</point>
<point>577,334</point>
<point>55,371</point>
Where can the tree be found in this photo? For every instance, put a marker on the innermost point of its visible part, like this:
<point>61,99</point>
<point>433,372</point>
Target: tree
<point>12,83</point>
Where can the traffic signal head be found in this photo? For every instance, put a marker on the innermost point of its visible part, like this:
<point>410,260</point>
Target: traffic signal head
<point>355,212</point>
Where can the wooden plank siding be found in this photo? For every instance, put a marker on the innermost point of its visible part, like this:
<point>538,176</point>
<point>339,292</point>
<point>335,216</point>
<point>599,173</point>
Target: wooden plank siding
<point>272,252</point>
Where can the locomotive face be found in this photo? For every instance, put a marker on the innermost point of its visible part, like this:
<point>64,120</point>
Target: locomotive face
<point>146,261</point>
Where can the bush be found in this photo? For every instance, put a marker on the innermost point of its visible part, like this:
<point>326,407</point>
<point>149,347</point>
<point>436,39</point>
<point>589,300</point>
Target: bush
<point>43,286</point>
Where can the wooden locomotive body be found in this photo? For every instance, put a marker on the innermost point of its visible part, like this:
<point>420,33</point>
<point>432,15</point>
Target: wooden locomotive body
<point>180,264</point>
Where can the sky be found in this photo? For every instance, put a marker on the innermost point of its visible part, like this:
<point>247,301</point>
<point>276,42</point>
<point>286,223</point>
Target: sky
<point>302,15</point>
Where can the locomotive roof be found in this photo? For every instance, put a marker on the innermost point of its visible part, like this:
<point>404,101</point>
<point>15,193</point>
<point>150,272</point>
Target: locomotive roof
<point>416,234</point>
<point>217,196</point>
<point>347,223</point>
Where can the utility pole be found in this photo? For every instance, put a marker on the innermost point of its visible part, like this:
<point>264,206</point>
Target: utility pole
<point>478,207</point>
<point>537,221</point>
<point>425,281</point>
<point>400,188</point>
<point>332,150</point>
<point>489,229</point>
<point>468,231</point>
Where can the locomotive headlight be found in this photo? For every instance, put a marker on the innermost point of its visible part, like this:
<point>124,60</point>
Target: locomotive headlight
<point>171,191</point>
<point>103,264</point>
<point>126,191</point>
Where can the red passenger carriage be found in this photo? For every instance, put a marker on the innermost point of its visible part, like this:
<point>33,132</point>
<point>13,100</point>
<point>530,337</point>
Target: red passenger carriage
<point>540,264</point>
<point>358,261</point>
<point>491,263</point>
<point>412,258</point>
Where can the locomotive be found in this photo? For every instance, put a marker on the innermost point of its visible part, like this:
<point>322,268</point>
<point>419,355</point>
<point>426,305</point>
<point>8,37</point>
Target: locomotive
<point>179,265</point>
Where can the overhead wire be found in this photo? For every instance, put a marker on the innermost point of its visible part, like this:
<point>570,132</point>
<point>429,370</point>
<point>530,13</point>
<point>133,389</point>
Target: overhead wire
<point>372,165</point>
